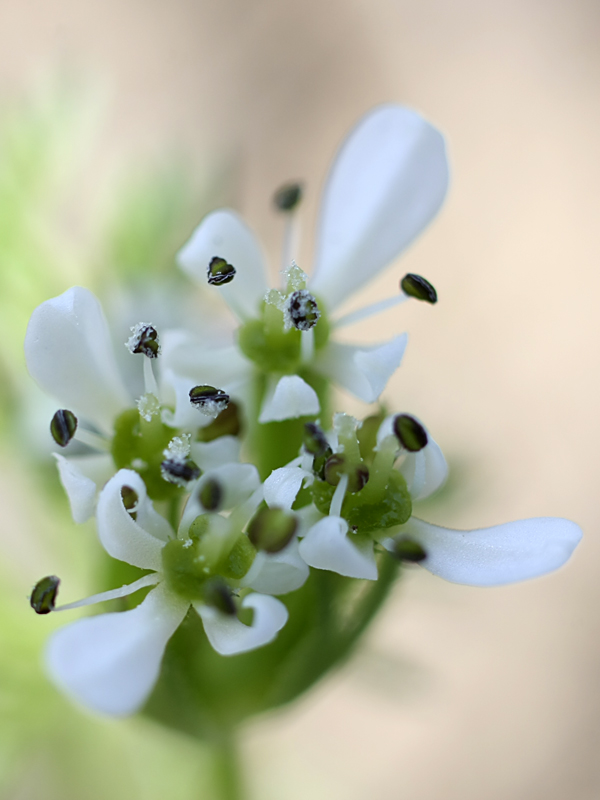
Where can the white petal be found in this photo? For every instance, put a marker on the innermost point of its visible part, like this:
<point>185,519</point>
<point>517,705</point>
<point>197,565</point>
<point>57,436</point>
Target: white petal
<point>81,489</point>
<point>283,485</point>
<point>224,234</point>
<point>363,371</point>
<point>110,663</point>
<point>69,353</point>
<point>229,636</point>
<point>425,471</point>
<point>221,451</point>
<point>292,397</point>
<point>386,184</point>
<point>277,573</point>
<point>327,545</point>
<point>138,542</point>
<point>494,556</point>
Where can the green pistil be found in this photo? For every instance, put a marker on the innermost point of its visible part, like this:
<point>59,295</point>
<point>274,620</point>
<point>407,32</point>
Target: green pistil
<point>139,445</point>
<point>273,349</point>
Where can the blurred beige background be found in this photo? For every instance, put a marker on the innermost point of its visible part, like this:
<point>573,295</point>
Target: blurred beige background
<point>461,693</point>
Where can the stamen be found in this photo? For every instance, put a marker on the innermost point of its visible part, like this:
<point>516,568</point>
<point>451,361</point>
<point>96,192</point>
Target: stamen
<point>91,439</point>
<point>410,433</point>
<point>406,549</point>
<point>314,440</point>
<point>150,385</point>
<point>302,310</point>
<point>219,272</point>
<point>144,339</point>
<point>335,509</point>
<point>369,311</point>
<point>43,596</point>
<point>208,400</point>
<point>272,529</point>
<point>418,287</point>
<point>63,427</point>
<point>307,346</point>
<point>288,196</point>
<point>218,595</point>
<point>211,495</point>
<point>178,467</point>
<point>114,594</point>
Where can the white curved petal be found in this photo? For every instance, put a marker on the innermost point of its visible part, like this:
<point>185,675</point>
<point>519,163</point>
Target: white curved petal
<point>81,489</point>
<point>221,451</point>
<point>292,397</point>
<point>110,663</point>
<point>385,186</point>
<point>224,234</point>
<point>327,545</point>
<point>69,353</point>
<point>229,636</point>
<point>514,551</point>
<point>239,482</point>
<point>424,471</point>
<point>138,542</point>
<point>283,485</point>
<point>277,573</point>
<point>363,371</point>
<point>203,359</point>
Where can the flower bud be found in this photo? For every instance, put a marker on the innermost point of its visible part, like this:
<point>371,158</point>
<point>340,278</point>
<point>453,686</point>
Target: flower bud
<point>219,272</point>
<point>211,495</point>
<point>144,339</point>
<point>314,440</point>
<point>288,196</point>
<point>303,310</point>
<point>271,529</point>
<point>208,400</point>
<point>406,549</point>
<point>43,597</point>
<point>410,433</point>
<point>418,287</point>
<point>63,427</point>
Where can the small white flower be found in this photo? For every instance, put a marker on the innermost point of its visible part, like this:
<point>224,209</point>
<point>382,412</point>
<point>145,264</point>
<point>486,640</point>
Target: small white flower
<point>386,184</point>
<point>501,554</point>
<point>111,662</point>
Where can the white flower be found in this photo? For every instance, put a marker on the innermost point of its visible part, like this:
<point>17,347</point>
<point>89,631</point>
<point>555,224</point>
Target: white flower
<point>69,353</point>
<point>492,556</point>
<point>111,662</point>
<point>386,184</point>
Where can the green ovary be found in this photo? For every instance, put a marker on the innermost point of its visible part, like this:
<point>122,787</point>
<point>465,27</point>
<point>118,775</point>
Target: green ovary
<point>273,349</point>
<point>188,564</point>
<point>395,508</point>
<point>139,445</point>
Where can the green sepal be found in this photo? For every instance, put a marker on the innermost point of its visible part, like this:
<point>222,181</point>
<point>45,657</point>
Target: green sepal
<point>240,559</point>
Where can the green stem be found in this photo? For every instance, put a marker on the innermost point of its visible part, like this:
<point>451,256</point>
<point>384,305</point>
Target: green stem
<point>227,773</point>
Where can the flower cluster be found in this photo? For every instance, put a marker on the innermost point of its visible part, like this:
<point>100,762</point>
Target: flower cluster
<point>230,540</point>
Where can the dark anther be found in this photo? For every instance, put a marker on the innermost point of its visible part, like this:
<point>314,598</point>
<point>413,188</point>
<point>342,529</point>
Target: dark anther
<point>43,597</point>
<point>144,340</point>
<point>208,399</point>
<point>211,495</point>
<point>218,595</point>
<point>130,499</point>
<point>407,549</point>
<point>416,286</point>
<point>314,439</point>
<point>180,471</point>
<point>303,310</point>
<point>410,433</point>
<point>63,427</point>
<point>288,196</point>
<point>319,463</point>
<point>220,272</point>
<point>272,529</point>
<point>358,478</point>
<point>334,469</point>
